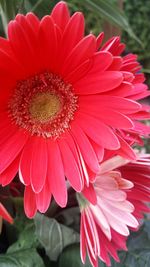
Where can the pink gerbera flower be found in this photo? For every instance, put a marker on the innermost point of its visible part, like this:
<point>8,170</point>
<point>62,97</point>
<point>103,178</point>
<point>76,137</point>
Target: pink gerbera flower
<point>120,202</point>
<point>58,109</point>
<point>130,69</point>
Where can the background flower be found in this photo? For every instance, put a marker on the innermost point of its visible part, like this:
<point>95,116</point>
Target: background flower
<point>121,189</point>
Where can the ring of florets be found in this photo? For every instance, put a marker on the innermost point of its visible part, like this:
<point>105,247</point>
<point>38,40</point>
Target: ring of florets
<point>43,104</point>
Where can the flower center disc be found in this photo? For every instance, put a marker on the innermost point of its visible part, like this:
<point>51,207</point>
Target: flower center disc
<point>44,106</point>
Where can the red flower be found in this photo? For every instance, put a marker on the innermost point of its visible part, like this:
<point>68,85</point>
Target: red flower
<point>59,106</point>
<point>120,202</point>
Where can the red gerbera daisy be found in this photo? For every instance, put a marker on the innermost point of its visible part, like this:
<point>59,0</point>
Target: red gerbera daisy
<point>57,112</point>
<point>120,202</point>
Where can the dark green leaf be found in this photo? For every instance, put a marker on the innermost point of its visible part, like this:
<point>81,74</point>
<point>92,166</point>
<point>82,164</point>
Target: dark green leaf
<point>8,10</point>
<point>23,258</point>
<point>27,239</point>
<point>54,236</point>
<point>71,257</point>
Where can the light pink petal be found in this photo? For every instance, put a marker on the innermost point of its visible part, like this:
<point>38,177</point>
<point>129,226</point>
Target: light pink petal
<point>101,220</point>
<point>114,196</point>
<point>29,202</point>
<point>112,163</point>
<point>71,168</point>
<point>82,241</point>
<point>55,174</point>
<point>85,148</point>
<point>124,217</point>
<point>95,84</point>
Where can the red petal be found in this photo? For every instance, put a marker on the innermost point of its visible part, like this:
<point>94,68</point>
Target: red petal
<point>4,214</point>
<point>71,168</point>
<point>86,149</point>
<point>60,14</point>
<point>98,132</point>
<point>94,84</point>
<point>56,174</point>
<point>43,198</point>
<point>29,202</point>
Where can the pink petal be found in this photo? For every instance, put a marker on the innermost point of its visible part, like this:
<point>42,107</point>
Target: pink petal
<point>85,148</point>
<point>117,103</point>
<point>101,62</point>
<point>9,174</point>
<point>4,214</point>
<point>79,72</point>
<point>55,174</point>
<point>10,148</point>
<point>33,163</point>
<point>69,40</point>
<point>43,198</point>
<point>90,194</point>
<point>103,136</point>
<point>81,52</point>
<point>99,40</point>
<point>82,242</point>
<point>109,117</point>
<point>116,64</point>
<point>60,14</point>
<point>38,164</point>
<point>125,150</point>
<point>94,84</point>
<point>47,42</point>
<point>29,202</point>
<point>70,168</point>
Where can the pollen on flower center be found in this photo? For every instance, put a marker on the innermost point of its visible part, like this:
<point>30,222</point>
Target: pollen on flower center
<point>43,104</point>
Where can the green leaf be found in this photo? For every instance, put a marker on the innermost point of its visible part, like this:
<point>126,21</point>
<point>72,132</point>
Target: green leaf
<point>71,257</point>
<point>8,10</point>
<point>138,259</point>
<point>23,258</point>
<point>27,239</point>
<point>54,236</point>
<point>112,13</point>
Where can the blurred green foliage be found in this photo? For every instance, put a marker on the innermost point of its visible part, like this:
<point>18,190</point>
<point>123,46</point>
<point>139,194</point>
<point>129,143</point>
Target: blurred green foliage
<point>138,14</point>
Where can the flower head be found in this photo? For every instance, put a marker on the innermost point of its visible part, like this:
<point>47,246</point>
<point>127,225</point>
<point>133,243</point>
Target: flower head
<point>121,188</point>
<point>59,107</point>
